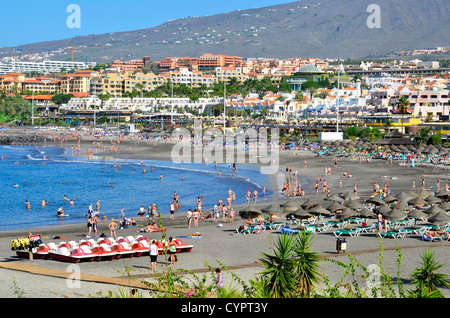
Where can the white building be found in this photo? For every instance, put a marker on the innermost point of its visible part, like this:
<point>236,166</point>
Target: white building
<point>45,67</point>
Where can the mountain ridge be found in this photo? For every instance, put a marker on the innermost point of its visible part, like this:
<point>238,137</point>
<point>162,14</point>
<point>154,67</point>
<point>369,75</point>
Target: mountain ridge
<point>319,28</point>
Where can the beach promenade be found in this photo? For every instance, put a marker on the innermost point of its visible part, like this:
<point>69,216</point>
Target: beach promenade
<point>238,252</point>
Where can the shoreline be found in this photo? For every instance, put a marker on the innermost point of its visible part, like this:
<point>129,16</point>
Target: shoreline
<point>224,244</point>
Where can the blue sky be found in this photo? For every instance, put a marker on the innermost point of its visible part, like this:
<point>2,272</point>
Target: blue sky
<point>29,21</point>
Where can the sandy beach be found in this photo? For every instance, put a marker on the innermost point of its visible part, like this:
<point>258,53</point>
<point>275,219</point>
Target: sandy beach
<point>239,253</point>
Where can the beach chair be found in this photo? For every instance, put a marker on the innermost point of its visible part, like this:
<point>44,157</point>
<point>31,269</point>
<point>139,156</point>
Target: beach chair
<point>430,239</point>
<point>347,232</point>
<point>288,230</point>
<point>367,229</point>
<point>323,227</point>
<point>310,229</point>
<point>393,234</point>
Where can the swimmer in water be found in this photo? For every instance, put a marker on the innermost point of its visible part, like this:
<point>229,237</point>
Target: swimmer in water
<point>44,203</point>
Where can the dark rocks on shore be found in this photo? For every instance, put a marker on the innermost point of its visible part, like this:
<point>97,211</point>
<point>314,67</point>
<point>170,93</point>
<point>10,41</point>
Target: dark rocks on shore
<point>14,140</point>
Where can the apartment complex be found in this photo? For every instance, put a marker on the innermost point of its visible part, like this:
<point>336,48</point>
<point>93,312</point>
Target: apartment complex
<point>108,82</point>
<point>45,67</point>
<point>130,66</point>
<point>78,82</point>
<point>142,82</point>
<point>13,83</point>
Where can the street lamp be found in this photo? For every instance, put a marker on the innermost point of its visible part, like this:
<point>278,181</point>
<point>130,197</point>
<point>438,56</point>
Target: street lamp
<point>224,104</point>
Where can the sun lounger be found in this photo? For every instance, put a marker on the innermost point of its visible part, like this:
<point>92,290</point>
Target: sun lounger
<point>288,230</point>
<point>430,239</point>
<point>349,232</point>
<point>393,234</point>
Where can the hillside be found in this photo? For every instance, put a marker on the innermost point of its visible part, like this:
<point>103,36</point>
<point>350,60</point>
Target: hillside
<point>319,28</point>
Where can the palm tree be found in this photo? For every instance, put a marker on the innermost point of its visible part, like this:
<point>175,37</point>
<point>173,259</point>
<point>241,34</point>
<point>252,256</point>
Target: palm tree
<point>402,105</point>
<point>307,264</point>
<point>426,279</point>
<point>293,270</point>
<point>279,274</point>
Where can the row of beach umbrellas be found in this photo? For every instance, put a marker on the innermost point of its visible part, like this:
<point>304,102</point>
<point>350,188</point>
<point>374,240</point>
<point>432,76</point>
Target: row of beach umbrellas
<point>431,207</point>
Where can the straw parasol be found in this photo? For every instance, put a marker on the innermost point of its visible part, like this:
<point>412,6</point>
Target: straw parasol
<point>335,207</point>
<point>404,196</point>
<point>301,214</point>
<point>418,201</point>
<point>351,196</point>
<point>445,206</point>
<point>273,209</point>
<point>376,200</point>
<point>383,209</point>
<point>310,203</point>
<point>439,219</point>
<point>290,206</point>
<point>367,214</point>
<point>355,205</point>
<point>319,210</point>
<point>442,194</point>
<point>395,215</point>
<point>347,214</point>
<point>434,209</point>
<point>335,198</point>
<point>402,206</point>
<point>390,198</point>
<point>423,193</point>
<point>417,214</point>
<point>431,199</point>
<point>250,212</point>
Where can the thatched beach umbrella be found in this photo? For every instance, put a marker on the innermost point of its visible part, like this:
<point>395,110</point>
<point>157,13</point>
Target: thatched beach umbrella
<point>310,203</point>
<point>418,202</point>
<point>395,215</point>
<point>403,206</point>
<point>403,196</point>
<point>423,193</point>
<point>390,198</point>
<point>445,206</point>
<point>301,214</point>
<point>347,214</point>
<point>376,200</point>
<point>335,198</point>
<point>290,206</point>
<point>319,210</point>
<point>274,208</point>
<point>417,214</point>
<point>442,194</point>
<point>434,209</point>
<point>355,205</point>
<point>431,199</point>
<point>351,196</point>
<point>250,212</point>
<point>439,219</point>
<point>383,209</point>
<point>335,207</point>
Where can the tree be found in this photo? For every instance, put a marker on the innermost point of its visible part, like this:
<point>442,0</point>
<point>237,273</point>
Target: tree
<point>426,279</point>
<point>279,273</point>
<point>61,98</point>
<point>306,264</point>
<point>294,269</point>
<point>402,106</point>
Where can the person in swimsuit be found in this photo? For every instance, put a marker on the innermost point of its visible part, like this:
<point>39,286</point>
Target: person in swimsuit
<point>112,227</point>
<point>171,249</point>
<point>89,225</point>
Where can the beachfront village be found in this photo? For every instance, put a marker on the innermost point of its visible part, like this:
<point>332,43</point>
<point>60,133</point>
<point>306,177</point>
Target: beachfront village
<point>303,95</point>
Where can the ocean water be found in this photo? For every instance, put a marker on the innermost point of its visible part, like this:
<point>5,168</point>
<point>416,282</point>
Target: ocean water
<point>25,177</point>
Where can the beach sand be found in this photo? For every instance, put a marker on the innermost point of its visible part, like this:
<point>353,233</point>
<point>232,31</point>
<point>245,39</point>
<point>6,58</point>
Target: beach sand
<point>239,253</point>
